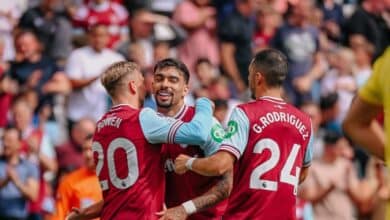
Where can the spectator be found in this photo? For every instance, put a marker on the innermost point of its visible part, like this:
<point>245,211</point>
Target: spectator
<point>235,34</point>
<point>8,88</point>
<point>333,186</point>
<point>221,109</point>
<point>219,90</point>
<point>141,27</point>
<point>206,72</point>
<point>367,23</point>
<point>333,19</point>
<point>18,178</point>
<point>267,21</point>
<point>104,12</point>
<point>33,70</point>
<point>37,148</point>
<point>299,41</point>
<point>69,154</point>
<point>330,110</point>
<point>10,12</point>
<point>52,28</point>
<point>79,188</point>
<point>363,52</point>
<point>84,66</point>
<point>313,110</point>
<point>333,12</point>
<point>340,79</point>
<point>198,18</point>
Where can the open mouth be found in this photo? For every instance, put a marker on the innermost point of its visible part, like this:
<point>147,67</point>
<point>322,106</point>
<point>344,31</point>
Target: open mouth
<point>164,95</point>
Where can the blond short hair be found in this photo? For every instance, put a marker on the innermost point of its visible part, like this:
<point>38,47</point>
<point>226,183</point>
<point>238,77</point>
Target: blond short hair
<point>113,76</point>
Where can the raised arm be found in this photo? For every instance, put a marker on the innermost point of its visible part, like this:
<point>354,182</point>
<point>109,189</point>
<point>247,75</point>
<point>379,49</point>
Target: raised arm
<point>158,129</point>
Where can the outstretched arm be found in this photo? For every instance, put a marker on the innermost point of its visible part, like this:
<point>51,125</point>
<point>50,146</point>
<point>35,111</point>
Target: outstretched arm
<point>158,129</point>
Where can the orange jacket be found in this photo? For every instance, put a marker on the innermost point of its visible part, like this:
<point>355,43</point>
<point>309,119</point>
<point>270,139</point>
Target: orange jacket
<point>80,189</point>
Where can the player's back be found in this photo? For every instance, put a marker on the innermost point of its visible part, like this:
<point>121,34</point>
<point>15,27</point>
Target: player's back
<point>130,169</point>
<point>267,174</point>
<point>181,188</point>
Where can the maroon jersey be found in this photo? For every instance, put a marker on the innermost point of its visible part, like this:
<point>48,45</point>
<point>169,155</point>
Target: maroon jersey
<point>181,188</point>
<point>110,14</point>
<point>271,141</point>
<point>132,174</point>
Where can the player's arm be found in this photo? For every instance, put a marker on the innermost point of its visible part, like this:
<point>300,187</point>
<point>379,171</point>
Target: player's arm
<point>159,129</point>
<point>91,212</point>
<point>360,126</point>
<point>230,150</point>
<point>215,195</point>
<point>359,123</point>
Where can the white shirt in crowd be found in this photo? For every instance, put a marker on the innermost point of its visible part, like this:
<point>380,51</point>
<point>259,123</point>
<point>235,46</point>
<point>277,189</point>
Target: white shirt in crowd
<point>85,63</point>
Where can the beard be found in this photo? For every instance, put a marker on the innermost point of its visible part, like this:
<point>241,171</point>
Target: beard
<point>167,104</point>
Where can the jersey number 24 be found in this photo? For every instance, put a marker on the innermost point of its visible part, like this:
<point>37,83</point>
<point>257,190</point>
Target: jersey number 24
<point>285,175</point>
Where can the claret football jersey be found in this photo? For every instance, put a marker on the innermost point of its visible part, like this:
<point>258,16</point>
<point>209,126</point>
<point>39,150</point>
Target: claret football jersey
<point>271,141</point>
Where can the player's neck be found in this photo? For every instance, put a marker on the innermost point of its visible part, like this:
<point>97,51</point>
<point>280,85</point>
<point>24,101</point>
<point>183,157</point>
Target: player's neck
<point>171,111</point>
<point>273,92</point>
<point>123,101</point>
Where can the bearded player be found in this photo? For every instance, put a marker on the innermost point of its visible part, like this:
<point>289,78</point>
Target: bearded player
<point>170,85</point>
<point>126,148</point>
<point>268,145</point>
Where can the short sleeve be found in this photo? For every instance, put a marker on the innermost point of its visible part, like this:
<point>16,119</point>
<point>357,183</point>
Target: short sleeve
<point>372,91</point>
<point>156,127</point>
<point>215,138</point>
<point>236,137</point>
<point>309,150</point>
<point>73,67</point>
<point>33,171</point>
<point>159,129</point>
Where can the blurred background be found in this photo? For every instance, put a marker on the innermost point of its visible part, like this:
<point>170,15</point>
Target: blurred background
<point>52,53</point>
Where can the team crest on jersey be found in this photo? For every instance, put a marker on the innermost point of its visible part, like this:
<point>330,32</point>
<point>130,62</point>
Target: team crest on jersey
<point>232,129</point>
<point>217,133</point>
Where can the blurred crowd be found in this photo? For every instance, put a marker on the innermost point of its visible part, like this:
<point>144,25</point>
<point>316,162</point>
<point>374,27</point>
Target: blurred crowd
<point>52,53</point>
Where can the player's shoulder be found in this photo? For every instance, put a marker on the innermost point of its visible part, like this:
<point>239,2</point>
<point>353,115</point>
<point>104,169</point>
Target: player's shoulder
<point>300,114</point>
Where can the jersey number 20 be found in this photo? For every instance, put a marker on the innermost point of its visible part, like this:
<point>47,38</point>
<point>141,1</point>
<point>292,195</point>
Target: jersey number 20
<point>285,175</point>
<point>132,163</point>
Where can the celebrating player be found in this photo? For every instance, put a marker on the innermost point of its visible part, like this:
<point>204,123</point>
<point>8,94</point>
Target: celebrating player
<point>170,85</point>
<point>268,142</point>
<point>129,164</point>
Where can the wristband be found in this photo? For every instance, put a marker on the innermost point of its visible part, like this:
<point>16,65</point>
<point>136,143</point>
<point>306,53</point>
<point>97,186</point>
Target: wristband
<point>189,207</point>
<point>189,163</point>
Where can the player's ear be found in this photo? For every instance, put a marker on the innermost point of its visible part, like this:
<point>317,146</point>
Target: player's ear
<point>185,90</point>
<point>259,78</point>
<point>132,87</point>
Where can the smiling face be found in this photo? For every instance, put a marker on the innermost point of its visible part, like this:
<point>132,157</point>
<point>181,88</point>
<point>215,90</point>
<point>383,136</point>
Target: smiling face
<point>169,87</point>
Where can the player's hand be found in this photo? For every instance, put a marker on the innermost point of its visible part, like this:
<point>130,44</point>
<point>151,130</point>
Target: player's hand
<point>75,214</point>
<point>175,213</point>
<point>180,164</point>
